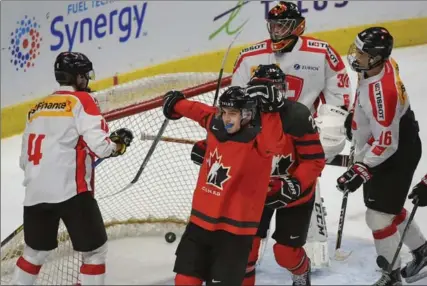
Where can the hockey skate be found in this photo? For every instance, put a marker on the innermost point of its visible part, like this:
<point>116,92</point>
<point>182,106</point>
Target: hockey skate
<point>417,268</point>
<point>390,279</point>
<point>303,279</point>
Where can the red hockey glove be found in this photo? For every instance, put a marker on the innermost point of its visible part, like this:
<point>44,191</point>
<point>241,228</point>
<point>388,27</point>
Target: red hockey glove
<point>420,192</point>
<point>354,177</point>
<point>283,190</point>
<point>198,152</point>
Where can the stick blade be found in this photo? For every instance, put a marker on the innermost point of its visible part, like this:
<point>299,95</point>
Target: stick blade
<point>341,255</point>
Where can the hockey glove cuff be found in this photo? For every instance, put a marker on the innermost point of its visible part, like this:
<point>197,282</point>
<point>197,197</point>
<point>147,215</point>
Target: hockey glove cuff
<point>198,152</point>
<point>419,192</point>
<point>354,177</point>
<point>169,101</point>
<point>283,191</point>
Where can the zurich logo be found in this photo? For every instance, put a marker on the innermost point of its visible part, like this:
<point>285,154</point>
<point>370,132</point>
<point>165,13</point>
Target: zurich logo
<point>297,66</point>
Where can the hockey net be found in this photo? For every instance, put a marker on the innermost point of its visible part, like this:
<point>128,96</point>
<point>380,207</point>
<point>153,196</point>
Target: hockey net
<point>160,201</point>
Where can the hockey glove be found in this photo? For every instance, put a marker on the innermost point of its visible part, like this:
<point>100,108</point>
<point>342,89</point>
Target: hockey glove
<point>420,192</point>
<point>198,152</point>
<point>283,191</point>
<point>122,137</point>
<point>169,101</point>
<point>270,98</point>
<point>347,125</point>
<point>354,177</point>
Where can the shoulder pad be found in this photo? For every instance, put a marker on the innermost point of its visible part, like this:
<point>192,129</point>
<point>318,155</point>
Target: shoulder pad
<point>258,48</point>
<point>297,119</point>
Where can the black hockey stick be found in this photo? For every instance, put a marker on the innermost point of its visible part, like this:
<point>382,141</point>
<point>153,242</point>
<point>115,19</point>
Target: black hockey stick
<point>146,159</point>
<point>221,71</point>
<point>12,235</point>
<point>339,254</point>
<point>381,260</point>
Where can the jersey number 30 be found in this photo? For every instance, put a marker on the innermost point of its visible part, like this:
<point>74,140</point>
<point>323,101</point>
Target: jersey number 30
<point>35,147</point>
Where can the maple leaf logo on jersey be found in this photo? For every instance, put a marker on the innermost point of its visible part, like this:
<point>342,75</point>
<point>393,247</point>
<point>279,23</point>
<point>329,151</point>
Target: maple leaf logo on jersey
<point>281,165</point>
<point>218,174</point>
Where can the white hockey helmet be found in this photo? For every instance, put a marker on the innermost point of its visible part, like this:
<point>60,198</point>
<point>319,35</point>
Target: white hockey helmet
<point>330,122</point>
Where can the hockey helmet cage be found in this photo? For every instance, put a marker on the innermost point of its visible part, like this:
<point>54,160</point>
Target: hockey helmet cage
<point>376,42</point>
<point>70,64</point>
<point>284,24</point>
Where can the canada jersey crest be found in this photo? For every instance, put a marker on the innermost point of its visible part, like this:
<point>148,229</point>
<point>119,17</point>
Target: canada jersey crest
<point>218,174</point>
<point>281,165</point>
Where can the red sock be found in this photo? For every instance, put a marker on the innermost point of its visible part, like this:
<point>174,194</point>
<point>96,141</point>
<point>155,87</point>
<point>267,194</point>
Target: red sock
<point>181,279</point>
<point>293,259</point>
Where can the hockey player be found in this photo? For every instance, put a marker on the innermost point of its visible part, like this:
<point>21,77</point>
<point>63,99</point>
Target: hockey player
<point>233,179</point>
<point>315,73</point>
<point>387,151</point>
<point>300,163</point>
<point>64,132</point>
<point>419,192</point>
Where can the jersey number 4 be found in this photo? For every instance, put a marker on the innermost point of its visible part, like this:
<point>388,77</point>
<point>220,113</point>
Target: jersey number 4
<point>35,147</point>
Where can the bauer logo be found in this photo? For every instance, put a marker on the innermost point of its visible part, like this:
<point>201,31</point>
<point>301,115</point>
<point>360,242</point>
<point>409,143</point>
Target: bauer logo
<point>379,101</point>
<point>124,24</point>
<point>24,43</point>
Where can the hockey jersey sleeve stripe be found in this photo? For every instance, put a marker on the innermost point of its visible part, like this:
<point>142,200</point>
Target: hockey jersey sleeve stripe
<point>312,156</point>
<point>307,142</point>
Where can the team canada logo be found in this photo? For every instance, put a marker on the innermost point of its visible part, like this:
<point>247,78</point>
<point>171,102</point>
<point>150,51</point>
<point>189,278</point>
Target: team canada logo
<point>218,174</point>
<point>281,165</point>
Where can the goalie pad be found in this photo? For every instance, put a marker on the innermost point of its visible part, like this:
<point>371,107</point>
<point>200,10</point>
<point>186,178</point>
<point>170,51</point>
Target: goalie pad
<point>316,246</point>
<point>330,122</point>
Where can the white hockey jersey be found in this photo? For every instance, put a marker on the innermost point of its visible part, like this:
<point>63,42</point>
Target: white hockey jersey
<point>314,71</point>
<point>380,103</point>
<point>64,132</point>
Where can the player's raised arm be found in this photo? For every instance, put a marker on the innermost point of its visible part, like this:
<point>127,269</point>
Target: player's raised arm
<point>176,106</point>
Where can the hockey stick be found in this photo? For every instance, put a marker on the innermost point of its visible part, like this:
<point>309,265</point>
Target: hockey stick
<point>221,71</point>
<point>381,260</point>
<point>341,255</point>
<point>146,159</point>
<point>12,235</point>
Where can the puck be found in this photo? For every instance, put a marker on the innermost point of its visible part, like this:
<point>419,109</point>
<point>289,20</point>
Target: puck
<point>170,237</point>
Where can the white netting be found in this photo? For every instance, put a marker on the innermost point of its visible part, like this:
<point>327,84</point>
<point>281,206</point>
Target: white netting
<point>161,199</point>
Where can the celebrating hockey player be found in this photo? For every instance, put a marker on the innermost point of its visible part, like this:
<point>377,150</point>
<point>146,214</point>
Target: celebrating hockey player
<point>419,192</point>
<point>63,134</point>
<point>233,179</point>
<point>296,168</point>
<point>387,151</point>
<point>315,73</point>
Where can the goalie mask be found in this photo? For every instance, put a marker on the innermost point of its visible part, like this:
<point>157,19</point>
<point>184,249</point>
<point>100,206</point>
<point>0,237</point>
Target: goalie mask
<point>371,48</point>
<point>74,69</point>
<point>330,123</point>
<point>284,24</point>
<point>235,97</point>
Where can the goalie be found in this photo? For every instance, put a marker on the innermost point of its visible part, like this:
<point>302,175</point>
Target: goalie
<point>63,134</point>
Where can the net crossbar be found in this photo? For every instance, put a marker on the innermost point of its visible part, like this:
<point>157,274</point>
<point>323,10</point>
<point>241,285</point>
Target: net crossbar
<point>160,201</point>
